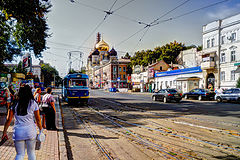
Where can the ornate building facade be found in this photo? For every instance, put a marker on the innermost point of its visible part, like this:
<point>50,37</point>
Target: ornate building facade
<point>104,68</point>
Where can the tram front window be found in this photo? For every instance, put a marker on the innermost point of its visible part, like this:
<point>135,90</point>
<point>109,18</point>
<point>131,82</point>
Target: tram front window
<point>78,82</point>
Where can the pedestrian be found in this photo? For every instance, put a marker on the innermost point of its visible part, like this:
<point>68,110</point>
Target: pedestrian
<point>37,97</point>
<point>12,93</point>
<point>24,132</point>
<point>49,109</point>
<point>7,98</point>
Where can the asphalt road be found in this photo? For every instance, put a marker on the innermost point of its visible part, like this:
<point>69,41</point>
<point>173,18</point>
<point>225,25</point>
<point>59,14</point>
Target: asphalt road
<point>222,111</point>
<point>132,126</point>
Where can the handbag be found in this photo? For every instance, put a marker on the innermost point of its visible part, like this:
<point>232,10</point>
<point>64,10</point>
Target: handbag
<point>40,139</point>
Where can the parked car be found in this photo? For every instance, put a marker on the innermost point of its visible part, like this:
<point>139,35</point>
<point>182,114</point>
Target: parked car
<point>229,95</point>
<point>167,95</point>
<point>199,94</point>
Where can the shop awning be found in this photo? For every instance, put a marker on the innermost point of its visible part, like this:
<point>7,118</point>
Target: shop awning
<point>187,78</point>
<point>237,70</point>
<point>237,64</point>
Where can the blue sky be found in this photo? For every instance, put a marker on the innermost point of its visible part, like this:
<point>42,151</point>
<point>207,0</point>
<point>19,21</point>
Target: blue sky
<point>71,25</point>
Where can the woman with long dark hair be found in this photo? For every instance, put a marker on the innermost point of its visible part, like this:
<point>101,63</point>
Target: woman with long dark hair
<point>24,132</point>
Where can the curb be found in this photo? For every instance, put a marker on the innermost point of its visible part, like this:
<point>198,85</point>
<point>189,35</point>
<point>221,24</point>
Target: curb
<point>61,139</point>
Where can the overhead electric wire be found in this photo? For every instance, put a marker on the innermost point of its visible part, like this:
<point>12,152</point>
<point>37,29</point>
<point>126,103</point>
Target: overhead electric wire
<point>141,38</point>
<point>149,25</point>
<point>109,12</point>
<point>55,54</point>
<point>130,36</point>
<point>91,33</point>
<point>89,6</point>
<point>123,5</point>
<point>190,12</point>
<point>171,18</point>
<point>65,44</point>
<point>112,12</point>
<point>130,19</point>
<point>113,5</point>
<point>170,11</point>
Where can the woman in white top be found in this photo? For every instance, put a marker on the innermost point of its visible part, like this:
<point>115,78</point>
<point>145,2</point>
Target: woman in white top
<point>24,131</point>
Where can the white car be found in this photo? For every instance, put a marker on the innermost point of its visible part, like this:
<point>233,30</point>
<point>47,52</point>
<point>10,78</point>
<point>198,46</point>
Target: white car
<point>232,94</point>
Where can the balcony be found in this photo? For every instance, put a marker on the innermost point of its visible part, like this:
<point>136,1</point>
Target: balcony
<point>208,65</point>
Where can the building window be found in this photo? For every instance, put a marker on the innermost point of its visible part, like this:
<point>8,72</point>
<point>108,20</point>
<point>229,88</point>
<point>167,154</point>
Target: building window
<point>166,84</point>
<point>115,69</point>
<point>222,76</point>
<point>208,43</point>
<point>114,76</point>
<point>124,69</point>
<point>213,40</point>
<point>233,37</point>
<point>120,69</point>
<point>232,75</point>
<point>233,56</point>
<point>223,58</point>
<point>223,39</point>
<point>170,83</point>
<point>124,76</point>
<point>160,68</point>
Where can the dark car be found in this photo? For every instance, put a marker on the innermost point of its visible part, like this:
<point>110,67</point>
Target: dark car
<point>229,95</point>
<point>199,94</point>
<point>167,95</point>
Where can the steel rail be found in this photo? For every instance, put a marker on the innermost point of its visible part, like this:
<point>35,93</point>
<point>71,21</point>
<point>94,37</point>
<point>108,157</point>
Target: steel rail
<point>186,137</point>
<point>164,116</point>
<point>91,132</point>
<point>156,146</point>
<point>122,133</point>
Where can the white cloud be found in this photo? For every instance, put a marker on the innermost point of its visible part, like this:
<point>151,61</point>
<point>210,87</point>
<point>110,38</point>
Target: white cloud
<point>223,12</point>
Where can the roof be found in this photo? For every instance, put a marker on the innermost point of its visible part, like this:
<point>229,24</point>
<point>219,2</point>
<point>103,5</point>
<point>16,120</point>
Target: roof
<point>76,75</point>
<point>96,52</point>
<point>179,71</point>
<point>113,52</point>
<point>122,60</point>
<point>151,65</point>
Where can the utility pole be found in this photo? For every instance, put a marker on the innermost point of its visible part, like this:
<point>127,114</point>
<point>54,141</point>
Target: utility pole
<point>70,62</point>
<point>80,61</point>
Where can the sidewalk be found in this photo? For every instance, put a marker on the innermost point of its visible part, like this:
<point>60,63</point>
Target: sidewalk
<point>53,148</point>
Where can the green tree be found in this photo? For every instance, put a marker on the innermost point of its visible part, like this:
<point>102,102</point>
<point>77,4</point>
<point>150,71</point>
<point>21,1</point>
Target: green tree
<point>20,69</point>
<point>171,51</point>
<point>23,27</point>
<point>238,83</point>
<point>49,73</point>
<point>168,53</point>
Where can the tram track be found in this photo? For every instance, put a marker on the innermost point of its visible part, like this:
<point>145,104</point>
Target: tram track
<point>218,146</point>
<point>139,138</point>
<point>124,134</point>
<point>91,132</point>
<point>132,107</point>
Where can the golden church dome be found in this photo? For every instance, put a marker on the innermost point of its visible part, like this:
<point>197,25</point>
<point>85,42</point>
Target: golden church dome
<point>102,46</point>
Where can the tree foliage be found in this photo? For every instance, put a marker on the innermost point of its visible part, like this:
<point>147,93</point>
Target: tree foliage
<point>20,69</point>
<point>23,27</point>
<point>238,83</point>
<point>168,53</point>
<point>49,72</point>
